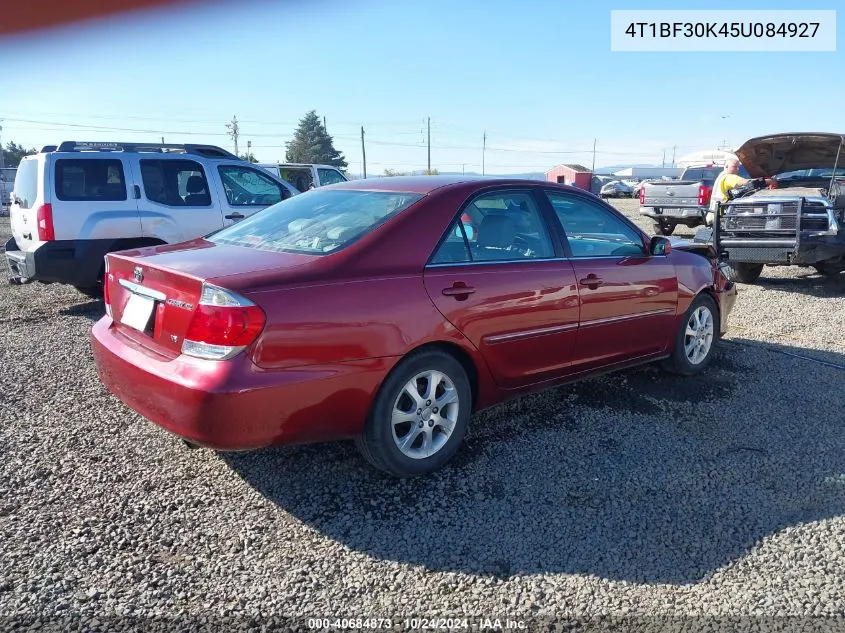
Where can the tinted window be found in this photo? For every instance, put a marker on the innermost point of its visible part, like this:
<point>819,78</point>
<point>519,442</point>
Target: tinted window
<point>26,183</point>
<point>701,173</point>
<point>507,226</point>
<point>245,187</point>
<point>593,231</point>
<point>96,180</point>
<point>175,183</point>
<point>316,222</point>
<point>454,249</point>
<point>330,176</point>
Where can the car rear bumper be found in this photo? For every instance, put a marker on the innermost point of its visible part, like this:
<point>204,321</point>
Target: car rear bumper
<point>234,405</point>
<point>75,262</point>
<point>674,213</point>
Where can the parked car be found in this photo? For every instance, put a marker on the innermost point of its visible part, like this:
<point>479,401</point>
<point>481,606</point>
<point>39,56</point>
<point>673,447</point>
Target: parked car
<point>363,311</point>
<point>616,189</point>
<point>685,201</point>
<point>800,222</point>
<point>7,179</point>
<point>75,202</point>
<point>305,176</point>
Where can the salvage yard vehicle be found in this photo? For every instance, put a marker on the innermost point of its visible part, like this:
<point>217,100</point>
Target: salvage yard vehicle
<point>616,189</point>
<point>75,202</point>
<point>305,176</point>
<point>363,311</point>
<point>799,222</point>
<point>685,201</point>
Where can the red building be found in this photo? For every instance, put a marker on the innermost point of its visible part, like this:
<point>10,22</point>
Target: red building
<point>576,175</point>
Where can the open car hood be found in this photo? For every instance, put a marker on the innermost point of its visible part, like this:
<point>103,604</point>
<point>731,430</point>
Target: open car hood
<point>775,154</point>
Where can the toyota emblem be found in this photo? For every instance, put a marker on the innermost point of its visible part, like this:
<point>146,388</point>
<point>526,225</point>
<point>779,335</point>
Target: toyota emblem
<point>139,274</point>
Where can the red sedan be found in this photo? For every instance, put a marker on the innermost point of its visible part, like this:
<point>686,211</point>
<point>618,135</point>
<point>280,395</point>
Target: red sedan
<point>367,310</point>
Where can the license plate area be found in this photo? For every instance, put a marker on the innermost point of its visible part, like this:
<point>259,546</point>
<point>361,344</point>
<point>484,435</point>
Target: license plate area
<point>138,313</point>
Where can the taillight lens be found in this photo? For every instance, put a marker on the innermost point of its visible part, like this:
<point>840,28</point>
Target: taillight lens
<point>223,325</point>
<point>106,278</point>
<point>642,195</point>
<point>704,193</point>
<point>44,220</point>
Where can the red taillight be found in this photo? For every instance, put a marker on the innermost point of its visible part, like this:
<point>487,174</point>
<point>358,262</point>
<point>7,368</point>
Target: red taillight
<point>44,220</point>
<point>223,324</point>
<point>704,193</point>
<point>642,195</point>
<point>226,326</point>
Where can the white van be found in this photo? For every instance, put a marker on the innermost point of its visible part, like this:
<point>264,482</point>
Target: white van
<point>73,203</point>
<point>305,176</point>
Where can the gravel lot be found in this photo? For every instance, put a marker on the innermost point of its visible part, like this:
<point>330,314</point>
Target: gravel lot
<point>633,494</point>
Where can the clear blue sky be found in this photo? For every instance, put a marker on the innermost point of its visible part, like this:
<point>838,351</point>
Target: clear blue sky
<point>537,75</point>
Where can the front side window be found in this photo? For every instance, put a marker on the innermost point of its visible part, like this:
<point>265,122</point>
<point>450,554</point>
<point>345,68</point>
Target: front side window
<point>593,231</point>
<point>92,180</point>
<point>175,183</point>
<point>330,176</point>
<point>317,222</point>
<point>248,187</point>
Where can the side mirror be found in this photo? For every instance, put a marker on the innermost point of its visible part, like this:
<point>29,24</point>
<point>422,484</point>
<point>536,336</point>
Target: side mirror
<point>660,246</point>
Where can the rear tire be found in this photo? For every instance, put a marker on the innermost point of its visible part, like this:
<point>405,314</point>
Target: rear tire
<point>664,228</point>
<point>411,431</point>
<point>744,273</point>
<point>696,338</point>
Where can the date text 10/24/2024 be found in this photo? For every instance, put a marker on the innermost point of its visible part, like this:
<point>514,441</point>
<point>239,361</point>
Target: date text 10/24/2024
<point>417,624</point>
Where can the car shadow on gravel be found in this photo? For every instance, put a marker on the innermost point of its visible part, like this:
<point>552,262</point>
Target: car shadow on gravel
<point>637,476</point>
<point>92,310</point>
<point>805,283</point>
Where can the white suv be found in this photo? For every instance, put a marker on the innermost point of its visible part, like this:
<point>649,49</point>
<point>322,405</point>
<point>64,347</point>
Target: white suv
<point>75,202</point>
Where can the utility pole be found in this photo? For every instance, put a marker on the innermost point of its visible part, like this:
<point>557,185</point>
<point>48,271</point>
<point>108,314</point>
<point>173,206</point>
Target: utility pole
<point>663,162</point>
<point>363,151</point>
<point>674,147</point>
<point>593,169</point>
<point>429,144</point>
<point>2,153</point>
<point>233,132</point>
<point>463,168</point>
<point>248,149</point>
<point>483,152</point>
<point>162,140</point>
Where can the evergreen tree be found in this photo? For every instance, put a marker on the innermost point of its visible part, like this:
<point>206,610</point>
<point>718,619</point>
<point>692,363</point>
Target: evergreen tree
<point>13,153</point>
<point>312,144</point>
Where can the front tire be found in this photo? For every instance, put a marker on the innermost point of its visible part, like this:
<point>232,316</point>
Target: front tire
<point>696,338</point>
<point>419,417</point>
<point>744,273</point>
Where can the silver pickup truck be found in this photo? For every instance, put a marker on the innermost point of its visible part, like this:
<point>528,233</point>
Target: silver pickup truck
<point>685,201</point>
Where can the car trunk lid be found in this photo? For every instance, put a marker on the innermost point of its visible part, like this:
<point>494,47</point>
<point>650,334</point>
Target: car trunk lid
<point>154,293</point>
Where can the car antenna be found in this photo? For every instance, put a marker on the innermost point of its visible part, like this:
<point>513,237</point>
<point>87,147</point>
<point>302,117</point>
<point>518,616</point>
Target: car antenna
<point>835,165</point>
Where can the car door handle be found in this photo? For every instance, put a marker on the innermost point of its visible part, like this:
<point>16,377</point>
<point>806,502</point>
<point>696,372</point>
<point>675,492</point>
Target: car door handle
<point>235,216</point>
<point>591,281</point>
<point>458,290</point>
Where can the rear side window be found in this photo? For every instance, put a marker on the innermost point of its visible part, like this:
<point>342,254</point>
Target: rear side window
<point>94,180</point>
<point>26,183</point>
<point>175,183</point>
<point>299,178</point>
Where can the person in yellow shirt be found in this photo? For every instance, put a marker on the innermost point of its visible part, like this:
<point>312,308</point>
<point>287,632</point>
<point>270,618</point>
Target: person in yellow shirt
<point>727,180</point>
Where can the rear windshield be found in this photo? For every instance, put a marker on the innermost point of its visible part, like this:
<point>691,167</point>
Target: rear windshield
<point>26,183</point>
<point>317,222</point>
